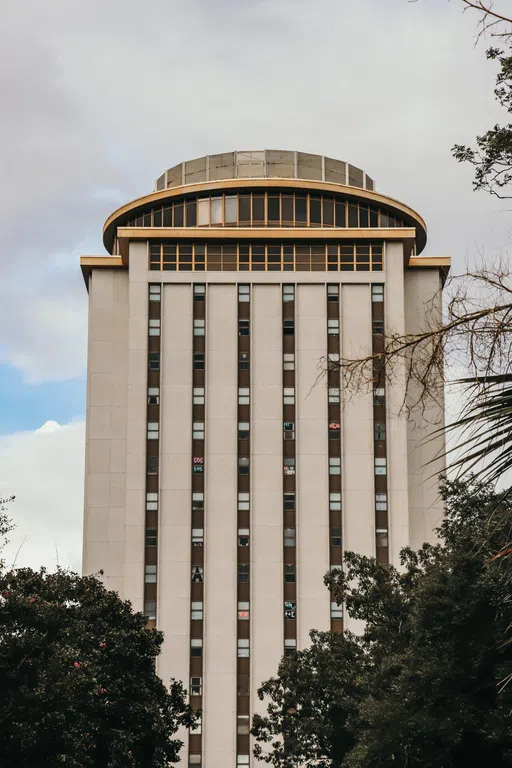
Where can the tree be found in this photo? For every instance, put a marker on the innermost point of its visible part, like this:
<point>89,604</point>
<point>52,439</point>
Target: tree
<point>78,685</point>
<point>427,679</point>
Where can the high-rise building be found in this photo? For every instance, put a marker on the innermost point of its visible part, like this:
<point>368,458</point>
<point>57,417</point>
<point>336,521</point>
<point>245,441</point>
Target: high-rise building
<point>226,467</point>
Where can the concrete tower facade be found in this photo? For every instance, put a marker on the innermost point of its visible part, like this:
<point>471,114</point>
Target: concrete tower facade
<point>226,470</point>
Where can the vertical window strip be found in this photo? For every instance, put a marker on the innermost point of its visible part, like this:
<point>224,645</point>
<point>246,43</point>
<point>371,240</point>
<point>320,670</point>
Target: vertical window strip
<point>197,469</point>
<point>289,468</point>
<point>333,384</point>
<point>243,606</point>
<point>152,453</point>
<point>380,426</point>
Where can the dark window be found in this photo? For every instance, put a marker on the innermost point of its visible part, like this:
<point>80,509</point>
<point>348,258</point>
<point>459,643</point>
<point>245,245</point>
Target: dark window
<point>374,217</point>
<point>363,216</point>
<point>328,206</point>
<point>244,209</point>
<point>151,534</point>
<point>154,361</point>
<point>353,218</point>
<point>147,220</point>
<point>178,214</point>
<point>315,211</point>
<point>301,210</point>
<point>243,466</point>
<point>191,213</point>
<point>274,209</point>
<point>380,431</point>
<point>287,209</point>
<point>167,217</point>
<point>152,465</point>
<point>289,574</point>
<point>243,327</point>
<point>288,327</point>
<point>289,501</point>
<point>258,209</point>
<point>243,573</point>
<point>199,361</point>
<point>334,430</point>
<point>335,537</point>
<point>378,327</point>
<point>340,213</point>
<point>243,361</point>
<point>196,650</point>
<point>157,217</point>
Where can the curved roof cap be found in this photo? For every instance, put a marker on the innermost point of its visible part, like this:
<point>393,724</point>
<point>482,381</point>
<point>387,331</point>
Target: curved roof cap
<point>265,163</point>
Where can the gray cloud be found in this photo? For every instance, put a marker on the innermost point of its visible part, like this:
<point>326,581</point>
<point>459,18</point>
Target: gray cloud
<point>99,98</point>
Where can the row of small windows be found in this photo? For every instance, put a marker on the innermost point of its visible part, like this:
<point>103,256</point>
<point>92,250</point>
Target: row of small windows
<point>267,257</point>
<point>288,295</point>
<point>266,209</point>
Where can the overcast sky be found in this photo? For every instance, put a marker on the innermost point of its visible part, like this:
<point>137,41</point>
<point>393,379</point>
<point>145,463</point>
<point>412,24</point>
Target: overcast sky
<point>98,98</point>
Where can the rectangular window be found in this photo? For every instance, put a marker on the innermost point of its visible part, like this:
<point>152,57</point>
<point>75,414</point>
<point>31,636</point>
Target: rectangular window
<point>154,361</point>
<point>242,760</point>
<point>379,395</point>
<point>290,609</point>
<point>153,430</point>
<point>333,292</point>
<point>152,465</point>
<point>203,212</point>
<point>288,327</point>
<point>199,292</point>
<point>244,293</point>
<point>243,537</point>
<point>196,647</point>
<point>243,611</point>
<point>194,759</point>
<point>274,209</point>
<point>195,686</point>
<point>290,646</point>
<point>381,501</point>
<point>243,361</point>
<point>377,293</point>
<point>151,502</point>
<point>153,395</point>
<point>155,292</point>
<point>335,502</point>
<point>243,396</point>
<point>197,537</point>
<point>196,611</point>
<point>242,724</point>
<point>230,209</point>
<point>243,430</point>
<point>215,210</point>
<point>243,573</point>
<point>380,466</point>
<point>289,466</point>
<point>380,431</point>
<point>151,537</point>
<point>289,430</point>
<point>243,501</point>
<point>315,211</point>
<point>154,327</point>
<point>243,327</point>
<point>335,537</point>
<point>243,465</point>
<point>333,327</point>
<point>150,574</point>
<point>197,574</point>
<point>334,430</point>
<point>378,327</point>
<point>289,537</point>
<point>334,465</point>
<point>288,293</point>
<point>288,395</point>
<point>289,574</point>
<point>198,327</point>
<point>199,361</point>
<point>198,500</point>
<point>150,609</point>
<point>198,396</point>
<point>289,502</point>
<point>289,361</point>
<point>382,537</point>
<point>336,611</point>
<point>334,394</point>
<point>198,430</point>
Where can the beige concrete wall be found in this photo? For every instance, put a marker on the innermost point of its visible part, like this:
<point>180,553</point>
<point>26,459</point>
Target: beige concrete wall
<point>398,486</point>
<point>357,424</point>
<point>267,601</point>
<point>423,300</point>
<point>136,425</point>
<point>220,587</point>
<point>313,606</point>
<point>174,562</point>
<point>105,463</point>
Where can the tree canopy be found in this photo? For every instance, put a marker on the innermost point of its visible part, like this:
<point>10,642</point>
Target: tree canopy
<point>78,685</point>
<point>427,682</point>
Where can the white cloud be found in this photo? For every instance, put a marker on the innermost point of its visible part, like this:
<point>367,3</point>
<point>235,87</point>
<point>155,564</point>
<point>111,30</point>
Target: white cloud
<point>44,469</point>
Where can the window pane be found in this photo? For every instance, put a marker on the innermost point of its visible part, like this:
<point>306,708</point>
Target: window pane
<point>231,205</point>
<point>274,209</point>
<point>178,214</point>
<point>216,210</point>
<point>258,209</point>
<point>244,209</point>
<point>203,212</point>
<point>315,211</point>
<point>300,210</point>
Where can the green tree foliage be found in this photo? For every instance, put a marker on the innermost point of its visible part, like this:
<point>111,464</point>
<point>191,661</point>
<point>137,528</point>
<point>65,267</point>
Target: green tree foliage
<point>426,683</point>
<point>78,685</point>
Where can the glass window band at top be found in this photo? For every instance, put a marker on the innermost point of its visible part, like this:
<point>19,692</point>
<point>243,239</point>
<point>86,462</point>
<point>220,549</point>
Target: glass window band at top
<point>266,257</point>
<point>266,209</point>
